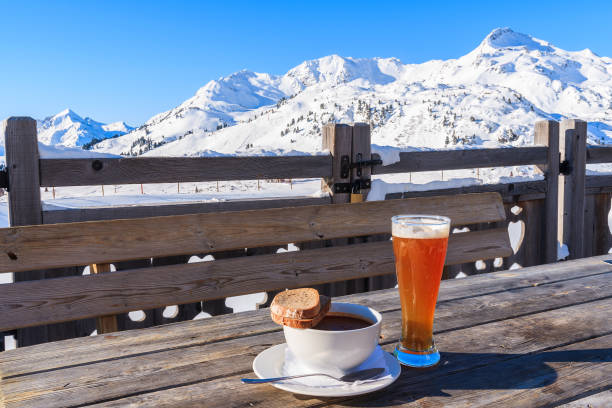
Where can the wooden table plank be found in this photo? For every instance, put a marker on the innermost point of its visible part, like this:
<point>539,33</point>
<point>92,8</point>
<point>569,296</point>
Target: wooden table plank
<point>200,332</point>
<point>542,379</point>
<point>110,379</point>
<point>598,400</point>
<point>493,345</point>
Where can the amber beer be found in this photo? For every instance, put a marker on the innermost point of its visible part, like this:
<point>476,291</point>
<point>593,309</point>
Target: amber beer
<point>419,245</point>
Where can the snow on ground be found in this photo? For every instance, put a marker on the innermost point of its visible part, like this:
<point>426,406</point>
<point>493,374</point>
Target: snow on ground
<point>47,151</point>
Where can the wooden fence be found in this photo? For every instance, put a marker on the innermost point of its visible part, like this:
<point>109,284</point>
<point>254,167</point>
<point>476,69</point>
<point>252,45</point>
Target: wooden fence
<point>565,204</point>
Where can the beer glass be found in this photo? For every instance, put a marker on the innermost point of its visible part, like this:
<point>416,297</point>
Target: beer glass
<point>419,246</point>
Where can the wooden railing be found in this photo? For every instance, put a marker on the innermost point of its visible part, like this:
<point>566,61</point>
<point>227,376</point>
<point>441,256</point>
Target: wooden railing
<point>578,215</point>
<point>465,159</point>
<point>136,170</point>
<point>100,243</point>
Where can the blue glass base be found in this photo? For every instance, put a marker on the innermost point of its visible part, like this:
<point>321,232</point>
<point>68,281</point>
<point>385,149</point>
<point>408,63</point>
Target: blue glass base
<point>421,359</point>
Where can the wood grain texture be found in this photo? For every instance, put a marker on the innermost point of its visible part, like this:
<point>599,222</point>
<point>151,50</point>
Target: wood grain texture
<point>338,140</point>
<point>472,246</point>
<point>137,170</point>
<point>464,159</point>
<point>362,144</point>
<point>532,250</point>
<point>488,287</point>
<point>598,154</point>
<point>21,146</point>
<point>602,238</point>
<point>35,303</point>
<point>598,184</point>
<point>22,159</point>
<point>510,192</point>
<point>541,379</point>
<point>507,380</point>
<point>572,147</point>
<point>104,324</point>
<point>547,134</point>
<point>597,400</point>
<point>53,214</point>
<point>58,245</point>
<point>185,311</point>
<point>209,374</point>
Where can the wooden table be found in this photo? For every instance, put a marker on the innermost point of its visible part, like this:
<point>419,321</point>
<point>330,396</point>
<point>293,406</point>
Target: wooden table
<point>537,336</point>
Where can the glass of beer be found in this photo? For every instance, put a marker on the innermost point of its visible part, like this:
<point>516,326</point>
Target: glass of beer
<point>419,245</point>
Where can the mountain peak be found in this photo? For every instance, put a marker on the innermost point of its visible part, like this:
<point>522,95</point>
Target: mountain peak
<point>489,97</point>
<point>506,38</point>
<point>67,128</point>
<point>67,112</point>
<point>334,69</point>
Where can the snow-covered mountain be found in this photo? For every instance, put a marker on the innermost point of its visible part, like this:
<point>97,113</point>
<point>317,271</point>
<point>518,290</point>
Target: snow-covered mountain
<point>71,130</point>
<point>492,96</point>
<point>69,135</point>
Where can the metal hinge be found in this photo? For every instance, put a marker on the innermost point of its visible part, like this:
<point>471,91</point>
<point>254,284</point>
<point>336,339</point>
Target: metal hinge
<point>340,188</point>
<point>353,187</point>
<point>4,179</point>
<point>345,166</point>
<point>361,185</point>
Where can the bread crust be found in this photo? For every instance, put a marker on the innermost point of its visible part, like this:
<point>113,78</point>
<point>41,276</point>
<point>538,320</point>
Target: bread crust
<point>304,323</point>
<point>303,303</point>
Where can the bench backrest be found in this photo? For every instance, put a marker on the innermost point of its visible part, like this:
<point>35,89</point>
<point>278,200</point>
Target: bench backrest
<point>99,243</point>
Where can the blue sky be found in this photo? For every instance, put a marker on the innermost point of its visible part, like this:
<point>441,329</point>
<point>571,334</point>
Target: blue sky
<point>129,60</point>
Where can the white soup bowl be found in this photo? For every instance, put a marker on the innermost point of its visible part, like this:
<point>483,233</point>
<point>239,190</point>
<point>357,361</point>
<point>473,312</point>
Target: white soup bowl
<point>330,351</point>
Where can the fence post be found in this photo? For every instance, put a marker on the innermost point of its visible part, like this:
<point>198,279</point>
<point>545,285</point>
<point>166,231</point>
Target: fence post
<point>104,324</point>
<point>25,208</point>
<point>547,134</point>
<point>572,148</point>
<point>21,147</point>
<point>338,139</point>
<point>362,150</point>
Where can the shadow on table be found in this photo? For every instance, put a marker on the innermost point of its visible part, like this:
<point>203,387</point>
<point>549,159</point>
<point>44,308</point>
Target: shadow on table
<point>478,371</point>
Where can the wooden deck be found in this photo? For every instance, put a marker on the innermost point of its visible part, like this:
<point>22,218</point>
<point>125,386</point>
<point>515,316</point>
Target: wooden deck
<point>539,336</point>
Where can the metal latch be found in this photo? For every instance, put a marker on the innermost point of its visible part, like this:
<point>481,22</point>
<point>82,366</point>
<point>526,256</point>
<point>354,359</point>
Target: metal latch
<point>4,178</point>
<point>345,170</point>
<point>565,168</point>
<point>360,163</point>
<point>346,165</point>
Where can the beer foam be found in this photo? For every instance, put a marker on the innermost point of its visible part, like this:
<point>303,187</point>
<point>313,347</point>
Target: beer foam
<point>420,228</point>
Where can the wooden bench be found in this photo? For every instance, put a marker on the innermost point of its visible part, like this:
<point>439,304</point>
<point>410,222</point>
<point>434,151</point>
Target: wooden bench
<point>99,243</point>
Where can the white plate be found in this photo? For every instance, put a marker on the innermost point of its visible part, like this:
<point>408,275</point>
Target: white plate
<point>269,363</point>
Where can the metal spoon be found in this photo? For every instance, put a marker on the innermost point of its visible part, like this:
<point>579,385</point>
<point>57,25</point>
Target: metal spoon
<point>360,375</point>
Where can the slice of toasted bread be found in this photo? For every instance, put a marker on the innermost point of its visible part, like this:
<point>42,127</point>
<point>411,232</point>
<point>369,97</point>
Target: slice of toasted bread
<point>303,303</point>
<point>304,323</point>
